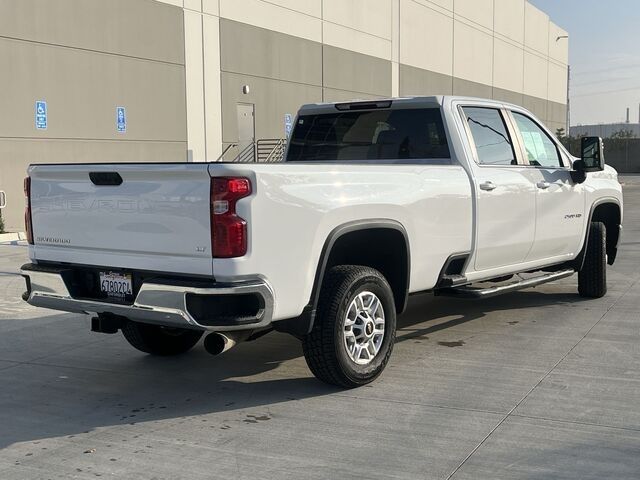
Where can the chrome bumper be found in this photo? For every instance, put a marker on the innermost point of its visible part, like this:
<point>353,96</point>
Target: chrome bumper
<point>158,303</point>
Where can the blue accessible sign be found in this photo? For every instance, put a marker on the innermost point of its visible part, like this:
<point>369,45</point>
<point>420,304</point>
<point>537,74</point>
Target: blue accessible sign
<point>288,124</point>
<point>121,119</point>
<point>41,115</point>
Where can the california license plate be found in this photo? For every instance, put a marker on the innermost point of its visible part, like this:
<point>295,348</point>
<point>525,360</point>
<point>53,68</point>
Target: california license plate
<point>116,285</point>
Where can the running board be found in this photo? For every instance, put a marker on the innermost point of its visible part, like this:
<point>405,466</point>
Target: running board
<point>469,292</point>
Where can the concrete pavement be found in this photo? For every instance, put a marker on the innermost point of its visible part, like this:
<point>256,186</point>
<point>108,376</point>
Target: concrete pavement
<point>536,384</point>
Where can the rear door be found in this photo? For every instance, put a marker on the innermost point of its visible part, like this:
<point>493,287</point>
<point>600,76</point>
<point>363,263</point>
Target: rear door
<point>560,203</point>
<point>134,216</point>
<point>505,196</point>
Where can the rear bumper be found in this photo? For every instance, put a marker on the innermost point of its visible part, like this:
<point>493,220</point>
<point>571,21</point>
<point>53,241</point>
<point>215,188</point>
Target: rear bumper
<point>216,307</point>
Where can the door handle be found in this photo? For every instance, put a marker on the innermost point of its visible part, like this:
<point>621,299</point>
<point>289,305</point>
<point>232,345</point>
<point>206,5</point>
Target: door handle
<point>543,185</point>
<point>488,186</point>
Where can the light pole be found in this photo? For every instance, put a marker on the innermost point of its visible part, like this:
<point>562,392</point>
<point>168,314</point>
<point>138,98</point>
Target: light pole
<point>568,119</point>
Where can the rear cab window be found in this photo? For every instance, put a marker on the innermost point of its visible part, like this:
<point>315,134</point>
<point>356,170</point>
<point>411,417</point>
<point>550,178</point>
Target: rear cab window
<point>490,135</point>
<point>385,134</point>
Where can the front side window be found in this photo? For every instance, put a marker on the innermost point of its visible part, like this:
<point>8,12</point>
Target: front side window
<point>490,135</point>
<point>386,134</point>
<point>540,149</point>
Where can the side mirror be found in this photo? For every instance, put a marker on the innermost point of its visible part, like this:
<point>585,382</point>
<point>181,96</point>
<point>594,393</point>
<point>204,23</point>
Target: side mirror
<point>591,159</point>
<point>592,154</point>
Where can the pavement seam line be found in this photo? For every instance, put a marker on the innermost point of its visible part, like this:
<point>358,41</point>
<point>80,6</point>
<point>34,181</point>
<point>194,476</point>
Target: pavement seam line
<point>477,447</point>
<point>417,404</point>
<point>573,422</point>
<point>7,367</point>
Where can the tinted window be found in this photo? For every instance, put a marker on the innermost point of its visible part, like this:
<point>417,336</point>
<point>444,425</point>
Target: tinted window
<point>490,135</point>
<point>370,135</point>
<point>541,151</point>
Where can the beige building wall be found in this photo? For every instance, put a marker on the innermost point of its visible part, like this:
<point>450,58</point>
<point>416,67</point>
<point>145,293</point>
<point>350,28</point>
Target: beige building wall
<point>85,58</point>
<point>182,67</point>
<point>287,52</point>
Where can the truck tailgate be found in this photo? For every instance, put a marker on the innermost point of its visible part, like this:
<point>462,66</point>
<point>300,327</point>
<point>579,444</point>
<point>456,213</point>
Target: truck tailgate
<point>157,218</point>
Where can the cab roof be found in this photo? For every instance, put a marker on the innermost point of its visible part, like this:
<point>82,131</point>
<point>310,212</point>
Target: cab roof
<point>397,102</point>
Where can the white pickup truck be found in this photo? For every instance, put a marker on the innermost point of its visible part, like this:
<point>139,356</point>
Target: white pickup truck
<point>374,201</point>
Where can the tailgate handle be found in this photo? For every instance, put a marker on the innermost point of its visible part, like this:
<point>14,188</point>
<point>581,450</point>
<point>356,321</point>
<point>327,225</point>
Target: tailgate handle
<point>105,178</point>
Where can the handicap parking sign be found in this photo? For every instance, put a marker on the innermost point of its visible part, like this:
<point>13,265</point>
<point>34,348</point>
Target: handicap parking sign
<point>121,119</point>
<point>41,115</point>
<point>288,124</point>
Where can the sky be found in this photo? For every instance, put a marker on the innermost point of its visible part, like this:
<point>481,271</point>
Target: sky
<point>604,54</point>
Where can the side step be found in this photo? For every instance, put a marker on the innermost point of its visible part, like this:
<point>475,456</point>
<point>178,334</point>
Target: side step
<point>470,292</point>
<point>450,281</point>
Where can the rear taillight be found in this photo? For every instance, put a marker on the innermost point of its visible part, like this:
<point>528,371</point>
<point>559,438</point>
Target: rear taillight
<point>27,210</point>
<point>228,230</point>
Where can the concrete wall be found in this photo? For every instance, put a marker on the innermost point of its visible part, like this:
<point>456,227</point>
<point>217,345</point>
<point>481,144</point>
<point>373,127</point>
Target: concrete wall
<point>623,154</point>
<point>85,58</point>
<point>605,130</point>
<point>284,72</point>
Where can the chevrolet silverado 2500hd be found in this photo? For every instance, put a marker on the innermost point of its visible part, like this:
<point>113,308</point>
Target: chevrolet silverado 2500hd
<point>374,201</point>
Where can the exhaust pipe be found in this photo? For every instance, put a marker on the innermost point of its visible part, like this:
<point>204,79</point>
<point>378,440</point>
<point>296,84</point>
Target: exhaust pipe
<point>216,343</point>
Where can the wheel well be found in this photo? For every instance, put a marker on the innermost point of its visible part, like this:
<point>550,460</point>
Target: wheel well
<point>609,214</point>
<point>384,249</point>
<point>379,244</point>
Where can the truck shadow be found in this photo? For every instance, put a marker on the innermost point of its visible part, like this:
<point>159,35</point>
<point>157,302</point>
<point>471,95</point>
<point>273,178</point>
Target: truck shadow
<point>107,383</point>
<point>425,308</point>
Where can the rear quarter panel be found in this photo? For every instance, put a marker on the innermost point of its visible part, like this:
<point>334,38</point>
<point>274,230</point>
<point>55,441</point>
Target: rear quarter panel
<point>294,207</point>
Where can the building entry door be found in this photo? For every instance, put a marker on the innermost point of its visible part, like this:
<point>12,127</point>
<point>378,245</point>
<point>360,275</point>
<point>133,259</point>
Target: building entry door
<point>246,130</point>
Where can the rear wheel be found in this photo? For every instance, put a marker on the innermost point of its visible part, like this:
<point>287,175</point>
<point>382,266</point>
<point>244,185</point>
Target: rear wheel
<point>592,278</point>
<point>354,331</point>
<point>157,340</point>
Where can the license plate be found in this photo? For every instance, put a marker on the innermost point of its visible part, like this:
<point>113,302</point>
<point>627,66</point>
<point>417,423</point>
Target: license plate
<point>116,285</point>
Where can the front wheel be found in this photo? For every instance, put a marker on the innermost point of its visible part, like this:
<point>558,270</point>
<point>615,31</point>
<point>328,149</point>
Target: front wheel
<point>157,340</point>
<point>355,328</point>
<point>592,278</point>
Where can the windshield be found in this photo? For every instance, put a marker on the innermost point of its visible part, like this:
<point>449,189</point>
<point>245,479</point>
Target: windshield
<point>370,135</point>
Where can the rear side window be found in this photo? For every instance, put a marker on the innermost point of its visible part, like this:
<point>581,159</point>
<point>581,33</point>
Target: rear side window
<point>490,135</point>
<point>411,134</point>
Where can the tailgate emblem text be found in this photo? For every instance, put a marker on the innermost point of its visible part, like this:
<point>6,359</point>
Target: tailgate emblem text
<point>53,240</point>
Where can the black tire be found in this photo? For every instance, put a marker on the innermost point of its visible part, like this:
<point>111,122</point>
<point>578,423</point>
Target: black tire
<point>592,279</point>
<point>324,348</point>
<point>157,340</point>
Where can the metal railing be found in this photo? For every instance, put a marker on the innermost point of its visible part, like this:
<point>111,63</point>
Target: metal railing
<point>270,150</point>
<point>247,154</point>
<point>225,151</point>
<point>265,150</point>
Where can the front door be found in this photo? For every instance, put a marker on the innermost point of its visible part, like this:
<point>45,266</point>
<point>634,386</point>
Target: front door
<point>246,130</point>
<point>505,196</point>
<point>560,203</point>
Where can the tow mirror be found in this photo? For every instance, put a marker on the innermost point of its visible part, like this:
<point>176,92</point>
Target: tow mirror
<point>591,158</point>
<point>592,154</point>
